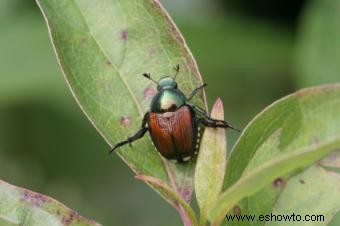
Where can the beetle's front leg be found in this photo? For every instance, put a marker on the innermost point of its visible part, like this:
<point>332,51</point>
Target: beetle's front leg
<point>194,92</point>
<point>139,134</point>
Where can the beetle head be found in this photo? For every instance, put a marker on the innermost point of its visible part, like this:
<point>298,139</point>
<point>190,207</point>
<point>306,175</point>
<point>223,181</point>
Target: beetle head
<point>166,83</point>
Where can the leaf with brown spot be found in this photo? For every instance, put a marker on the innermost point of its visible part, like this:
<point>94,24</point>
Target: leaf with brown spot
<point>289,135</point>
<point>104,47</point>
<point>19,206</point>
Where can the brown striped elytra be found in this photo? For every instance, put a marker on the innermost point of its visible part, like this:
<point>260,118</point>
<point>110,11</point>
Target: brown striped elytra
<point>174,134</point>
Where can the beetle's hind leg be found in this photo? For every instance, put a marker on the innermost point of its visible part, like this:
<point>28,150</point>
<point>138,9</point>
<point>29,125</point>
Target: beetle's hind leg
<point>139,134</point>
<point>210,122</point>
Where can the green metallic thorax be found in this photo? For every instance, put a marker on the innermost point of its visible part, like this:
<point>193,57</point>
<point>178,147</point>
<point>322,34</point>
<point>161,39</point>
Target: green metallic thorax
<point>168,98</point>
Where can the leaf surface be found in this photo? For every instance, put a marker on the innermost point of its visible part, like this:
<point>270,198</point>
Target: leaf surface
<point>253,182</point>
<point>211,163</point>
<point>103,47</point>
<point>294,123</point>
<point>20,206</point>
<point>315,193</point>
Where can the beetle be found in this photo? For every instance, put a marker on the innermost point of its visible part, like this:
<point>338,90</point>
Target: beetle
<point>173,122</point>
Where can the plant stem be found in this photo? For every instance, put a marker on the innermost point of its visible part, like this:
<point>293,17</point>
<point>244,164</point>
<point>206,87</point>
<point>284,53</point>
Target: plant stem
<point>185,218</point>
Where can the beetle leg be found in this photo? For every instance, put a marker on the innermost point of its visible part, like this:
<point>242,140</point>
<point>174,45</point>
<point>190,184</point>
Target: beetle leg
<point>139,134</point>
<point>194,92</point>
<point>199,110</point>
<point>210,122</point>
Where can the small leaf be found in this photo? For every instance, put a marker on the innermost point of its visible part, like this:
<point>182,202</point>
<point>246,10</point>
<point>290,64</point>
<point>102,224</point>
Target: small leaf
<point>254,181</point>
<point>103,47</point>
<point>187,214</point>
<point>211,163</point>
<point>20,206</point>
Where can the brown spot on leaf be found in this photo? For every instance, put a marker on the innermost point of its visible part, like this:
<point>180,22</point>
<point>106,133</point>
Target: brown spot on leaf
<point>302,181</point>
<point>124,34</point>
<point>149,92</point>
<point>33,198</point>
<point>278,182</point>
<point>237,210</point>
<point>68,219</point>
<point>125,121</point>
<point>108,62</point>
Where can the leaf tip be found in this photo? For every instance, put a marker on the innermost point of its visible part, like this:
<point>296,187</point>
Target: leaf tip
<point>217,110</point>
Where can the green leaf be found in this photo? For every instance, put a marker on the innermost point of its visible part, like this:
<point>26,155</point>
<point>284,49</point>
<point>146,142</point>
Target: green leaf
<point>187,214</point>
<point>211,163</point>
<point>262,202</point>
<point>318,46</point>
<point>252,182</point>
<point>336,220</point>
<point>20,206</point>
<point>294,123</point>
<point>312,192</point>
<point>316,191</point>
<point>103,47</point>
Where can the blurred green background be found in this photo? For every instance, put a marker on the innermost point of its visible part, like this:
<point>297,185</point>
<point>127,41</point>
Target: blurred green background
<point>249,52</point>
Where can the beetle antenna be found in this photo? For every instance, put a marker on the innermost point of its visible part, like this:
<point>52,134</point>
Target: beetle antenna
<point>177,71</point>
<point>147,75</point>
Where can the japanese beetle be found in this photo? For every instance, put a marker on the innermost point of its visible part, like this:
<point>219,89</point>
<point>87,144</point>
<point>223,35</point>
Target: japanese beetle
<point>173,122</point>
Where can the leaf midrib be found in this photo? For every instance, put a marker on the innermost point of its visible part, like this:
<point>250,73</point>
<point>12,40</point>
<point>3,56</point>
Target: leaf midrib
<point>140,111</point>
